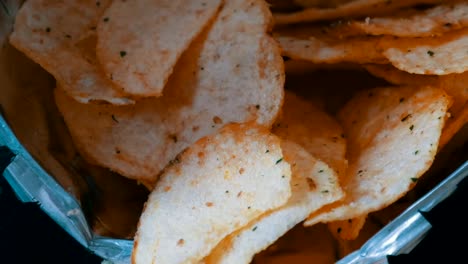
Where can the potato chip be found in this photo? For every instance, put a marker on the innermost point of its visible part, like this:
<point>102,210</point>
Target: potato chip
<point>349,9</point>
<point>309,126</point>
<point>141,53</point>
<point>47,31</point>
<point>313,184</point>
<point>397,77</point>
<point>440,56</point>
<point>212,190</point>
<point>392,135</point>
<point>453,84</point>
<point>227,75</point>
<point>347,229</point>
<point>327,50</point>
<point>408,23</point>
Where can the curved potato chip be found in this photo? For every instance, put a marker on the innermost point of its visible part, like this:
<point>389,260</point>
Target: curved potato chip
<point>210,192</point>
<point>350,9</point>
<point>439,55</point>
<point>140,54</point>
<point>435,21</point>
<point>312,128</point>
<point>227,75</point>
<point>393,135</point>
<point>409,23</point>
<point>453,84</point>
<point>322,50</point>
<point>313,184</point>
<point>397,77</point>
<point>47,31</point>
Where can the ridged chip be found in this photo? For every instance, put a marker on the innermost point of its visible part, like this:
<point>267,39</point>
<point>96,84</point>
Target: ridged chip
<point>393,134</point>
<point>47,31</point>
<point>140,41</point>
<point>228,74</point>
<point>217,186</point>
<point>313,184</point>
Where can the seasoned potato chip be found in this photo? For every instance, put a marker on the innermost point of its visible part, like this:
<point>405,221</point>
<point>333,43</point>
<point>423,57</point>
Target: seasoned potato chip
<point>440,56</point>
<point>141,53</point>
<point>212,190</point>
<point>325,50</point>
<point>398,77</point>
<point>350,9</point>
<point>312,128</point>
<point>392,135</point>
<point>347,229</point>
<point>313,184</point>
<point>227,75</point>
<point>453,84</point>
<point>409,23</point>
<point>47,31</point>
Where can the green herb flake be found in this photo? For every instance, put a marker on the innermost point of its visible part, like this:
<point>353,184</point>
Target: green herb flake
<point>278,161</point>
<point>416,152</point>
<point>255,228</point>
<point>320,171</point>
<point>114,118</point>
<point>325,191</point>
<point>411,127</point>
<point>402,100</point>
<point>430,53</point>
<point>267,151</point>
<point>414,179</point>
<point>123,53</point>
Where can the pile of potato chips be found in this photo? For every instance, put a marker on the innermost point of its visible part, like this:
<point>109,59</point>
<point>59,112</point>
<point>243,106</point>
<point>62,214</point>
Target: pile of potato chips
<point>224,111</point>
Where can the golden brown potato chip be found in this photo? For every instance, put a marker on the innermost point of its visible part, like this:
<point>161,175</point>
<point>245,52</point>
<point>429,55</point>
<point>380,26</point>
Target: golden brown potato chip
<point>139,42</point>
<point>313,184</point>
<point>328,50</point>
<point>453,84</point>
<point>392,135</point>
<point>312,128</point>
<point>350,9</point>
<point>409,23</point>
<point>440,55</point>
<point>347,229</point>
<point>211,191</point>
<point>227,75</point>
<point>47,31</point>
<point>398,77</point>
